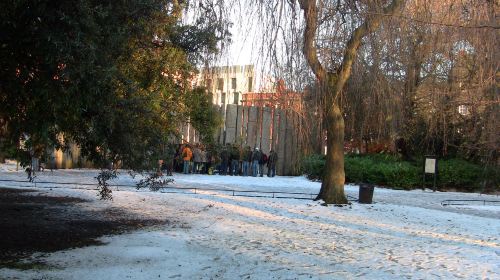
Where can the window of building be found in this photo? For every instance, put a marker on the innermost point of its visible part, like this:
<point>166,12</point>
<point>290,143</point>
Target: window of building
<point>463,110</point>
<point>223,98</point>
<point>250,84</point>
<point>209,84</point>
<point>233,83</point>
<point>236,97</point>
<point>220,84</point>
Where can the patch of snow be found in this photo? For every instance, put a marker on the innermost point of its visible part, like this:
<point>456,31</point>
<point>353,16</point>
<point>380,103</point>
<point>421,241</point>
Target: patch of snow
<point>10,166</point>
<point>214,235</point>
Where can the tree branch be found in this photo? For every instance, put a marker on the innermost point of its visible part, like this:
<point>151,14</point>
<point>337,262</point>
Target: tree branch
<point>370,24</point>
<point>177,6</point>
<point>309,49</point>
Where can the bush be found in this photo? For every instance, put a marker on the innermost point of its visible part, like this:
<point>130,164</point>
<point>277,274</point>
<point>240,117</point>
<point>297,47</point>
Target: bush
<point>313,167</point>
<point>390,171</point>
<point>464,175</point>
<point>380,169</point>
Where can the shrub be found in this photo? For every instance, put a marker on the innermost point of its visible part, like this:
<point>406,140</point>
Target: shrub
<point>381,169</point>
<point>313,167</point>
<point>464,175</point>
<point>389,170</point>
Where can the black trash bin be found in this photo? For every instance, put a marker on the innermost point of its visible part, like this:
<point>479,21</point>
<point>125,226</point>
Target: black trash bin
<point>366,193</point>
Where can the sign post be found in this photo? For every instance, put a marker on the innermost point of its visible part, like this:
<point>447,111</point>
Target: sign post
<point>430,167</point>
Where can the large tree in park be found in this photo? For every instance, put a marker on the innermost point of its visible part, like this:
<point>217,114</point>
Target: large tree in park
<point>112,76</point>
<point>325,36</point>
<point>332,81</point>
<point>412,69</point>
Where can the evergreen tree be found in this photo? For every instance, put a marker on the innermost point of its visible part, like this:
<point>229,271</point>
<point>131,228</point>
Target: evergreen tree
<point>112,76</point>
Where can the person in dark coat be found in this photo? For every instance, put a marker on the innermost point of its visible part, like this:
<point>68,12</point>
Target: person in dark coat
<point>213,159</point>
<point>247,160</point>
<point>168,162</point>
<point>271,163</point>
<point>224,158</point>
<point>255,161</point>
<point>178,161</point>
<point>262,162</point>
<point>197,159</point>
<point>204,160</point>
<point>235,160</point>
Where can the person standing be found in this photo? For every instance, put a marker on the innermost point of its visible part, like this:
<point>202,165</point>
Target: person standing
<point>224,157</point>
<point>262,162</point>
<point>212,159</point>
<point>235,160</point>
<point>247,159</point>
<point>178,160</point>
<point>271,163</point>
<point>168,163</point>
<point>255,161</point>
<point>196,159</point>
<point>204,161</point>
<point>187,154</point>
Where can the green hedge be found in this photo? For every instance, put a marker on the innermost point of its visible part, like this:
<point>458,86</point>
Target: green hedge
<point>313,167</point>
<point>383,170</point>
<point>390,171</point>
<point>461,174</point>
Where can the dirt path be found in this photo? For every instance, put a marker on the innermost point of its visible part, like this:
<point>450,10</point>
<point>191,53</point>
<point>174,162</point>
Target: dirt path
<point>33,222</point>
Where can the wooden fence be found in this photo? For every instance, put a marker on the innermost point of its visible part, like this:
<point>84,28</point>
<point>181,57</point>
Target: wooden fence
<point>263,127</point>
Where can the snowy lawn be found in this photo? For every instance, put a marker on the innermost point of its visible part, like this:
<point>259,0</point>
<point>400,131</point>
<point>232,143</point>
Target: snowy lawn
<point>403,235</point>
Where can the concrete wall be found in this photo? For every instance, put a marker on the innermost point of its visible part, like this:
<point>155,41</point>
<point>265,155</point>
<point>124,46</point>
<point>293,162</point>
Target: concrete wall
<point>266,128</point>
<point>70,158</point>
<point>231,122</point>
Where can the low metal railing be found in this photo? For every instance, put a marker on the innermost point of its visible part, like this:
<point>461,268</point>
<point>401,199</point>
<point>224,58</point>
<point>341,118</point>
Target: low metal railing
<point>470,202</point>
<point>174,189</point>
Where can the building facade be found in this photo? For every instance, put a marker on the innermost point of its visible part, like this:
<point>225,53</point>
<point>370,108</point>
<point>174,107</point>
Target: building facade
<point>228,83</point>
<point>277,97</point>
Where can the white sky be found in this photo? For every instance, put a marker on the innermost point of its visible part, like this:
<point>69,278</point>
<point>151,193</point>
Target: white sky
<point>242,51</point>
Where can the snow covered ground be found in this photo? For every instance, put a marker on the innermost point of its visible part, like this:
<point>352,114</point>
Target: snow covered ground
<point>215,235</point>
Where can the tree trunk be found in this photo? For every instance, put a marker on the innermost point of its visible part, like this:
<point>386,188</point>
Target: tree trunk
<point>332,188</point>
<point>332,84</point>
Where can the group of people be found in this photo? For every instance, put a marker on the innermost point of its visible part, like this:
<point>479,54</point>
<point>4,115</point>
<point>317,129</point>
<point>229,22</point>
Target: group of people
<point>229,160</point>
<point>194,159</point>
<point>235,161</point>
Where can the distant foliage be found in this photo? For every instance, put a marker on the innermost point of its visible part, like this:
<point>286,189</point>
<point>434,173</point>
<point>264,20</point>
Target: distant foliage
<point>203,115</point>
<point>390,171</point>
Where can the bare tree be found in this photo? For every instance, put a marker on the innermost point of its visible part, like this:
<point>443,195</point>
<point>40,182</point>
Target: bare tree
<point>406,65</point>
<point>332,82</point>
